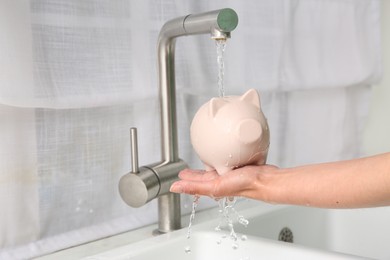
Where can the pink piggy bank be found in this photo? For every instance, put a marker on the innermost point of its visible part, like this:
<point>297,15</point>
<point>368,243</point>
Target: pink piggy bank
<point>231,132</point>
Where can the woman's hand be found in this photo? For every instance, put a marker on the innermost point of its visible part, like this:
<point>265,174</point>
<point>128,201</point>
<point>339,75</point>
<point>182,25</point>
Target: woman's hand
<point>246,182</point>
<point>357,183</point>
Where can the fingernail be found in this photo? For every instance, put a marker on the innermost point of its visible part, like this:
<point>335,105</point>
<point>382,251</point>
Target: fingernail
<point>176,188</point>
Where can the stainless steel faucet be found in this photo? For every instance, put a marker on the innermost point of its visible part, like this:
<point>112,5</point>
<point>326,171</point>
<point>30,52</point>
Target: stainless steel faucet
<point>153,181</point>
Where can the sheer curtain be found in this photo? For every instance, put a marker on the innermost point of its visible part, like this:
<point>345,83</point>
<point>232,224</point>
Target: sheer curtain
<point>75,75</point>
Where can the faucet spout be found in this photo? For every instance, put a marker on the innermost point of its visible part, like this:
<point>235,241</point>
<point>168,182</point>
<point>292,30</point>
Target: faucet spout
<point>218,23</point>
<point>154,180</point>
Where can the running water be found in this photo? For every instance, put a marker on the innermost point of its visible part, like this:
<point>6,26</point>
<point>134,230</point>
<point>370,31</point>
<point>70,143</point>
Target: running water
<point>228,215</point>
<point>192,217</point>
<point>226,210</point>
<point>195,202</point>
<point>226,205</point>
<point>221,45</point>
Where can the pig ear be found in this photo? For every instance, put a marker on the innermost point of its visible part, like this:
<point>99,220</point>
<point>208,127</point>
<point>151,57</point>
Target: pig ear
<point>252,97</point>
<point>214,105</point>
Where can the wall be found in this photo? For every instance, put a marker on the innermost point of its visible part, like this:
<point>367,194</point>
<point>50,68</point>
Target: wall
<point>376,136</point>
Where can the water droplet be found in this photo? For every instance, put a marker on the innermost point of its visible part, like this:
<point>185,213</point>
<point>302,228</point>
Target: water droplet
<point>235,246</point>
<point>90,211</point>
<point>233,236</point>
<point>244,238</point>
<point>187,249</point>
<point>230,156</point>
<point>243,221</point>
<point>232,200</point>
<point>219,241</point>
<point>217,228</point>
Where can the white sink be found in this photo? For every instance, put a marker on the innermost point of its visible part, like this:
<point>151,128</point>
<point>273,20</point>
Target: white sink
<point>203,245</point>
<point>203,242</point>
<point>317,234</point>
<point>362,232</point>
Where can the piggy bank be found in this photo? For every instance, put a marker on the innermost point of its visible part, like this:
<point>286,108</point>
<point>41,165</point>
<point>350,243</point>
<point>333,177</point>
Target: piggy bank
<point>231,132</point>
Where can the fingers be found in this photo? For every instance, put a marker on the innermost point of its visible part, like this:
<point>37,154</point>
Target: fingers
<point>195,182</point>
<point>197,175</point>
<point>237,182</point>
<point>193,188</point>
<point>243,181</point>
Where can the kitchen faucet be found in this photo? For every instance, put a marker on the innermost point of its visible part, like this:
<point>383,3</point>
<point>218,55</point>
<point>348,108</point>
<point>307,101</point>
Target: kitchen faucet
<point>143,184</point>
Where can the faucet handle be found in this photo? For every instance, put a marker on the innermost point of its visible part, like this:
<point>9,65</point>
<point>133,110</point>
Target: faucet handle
<point>141,184</point>
<point>134,149</point>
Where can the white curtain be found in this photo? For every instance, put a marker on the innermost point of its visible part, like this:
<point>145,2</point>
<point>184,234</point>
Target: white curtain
<point>75,75</point>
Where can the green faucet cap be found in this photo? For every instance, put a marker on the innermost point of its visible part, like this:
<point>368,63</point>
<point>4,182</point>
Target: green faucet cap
<point>227,20</point>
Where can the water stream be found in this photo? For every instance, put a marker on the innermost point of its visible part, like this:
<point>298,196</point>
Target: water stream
<point>192,217</point>
<point>195,202</point>
<point>228,214</point>
<point>221,45</point>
